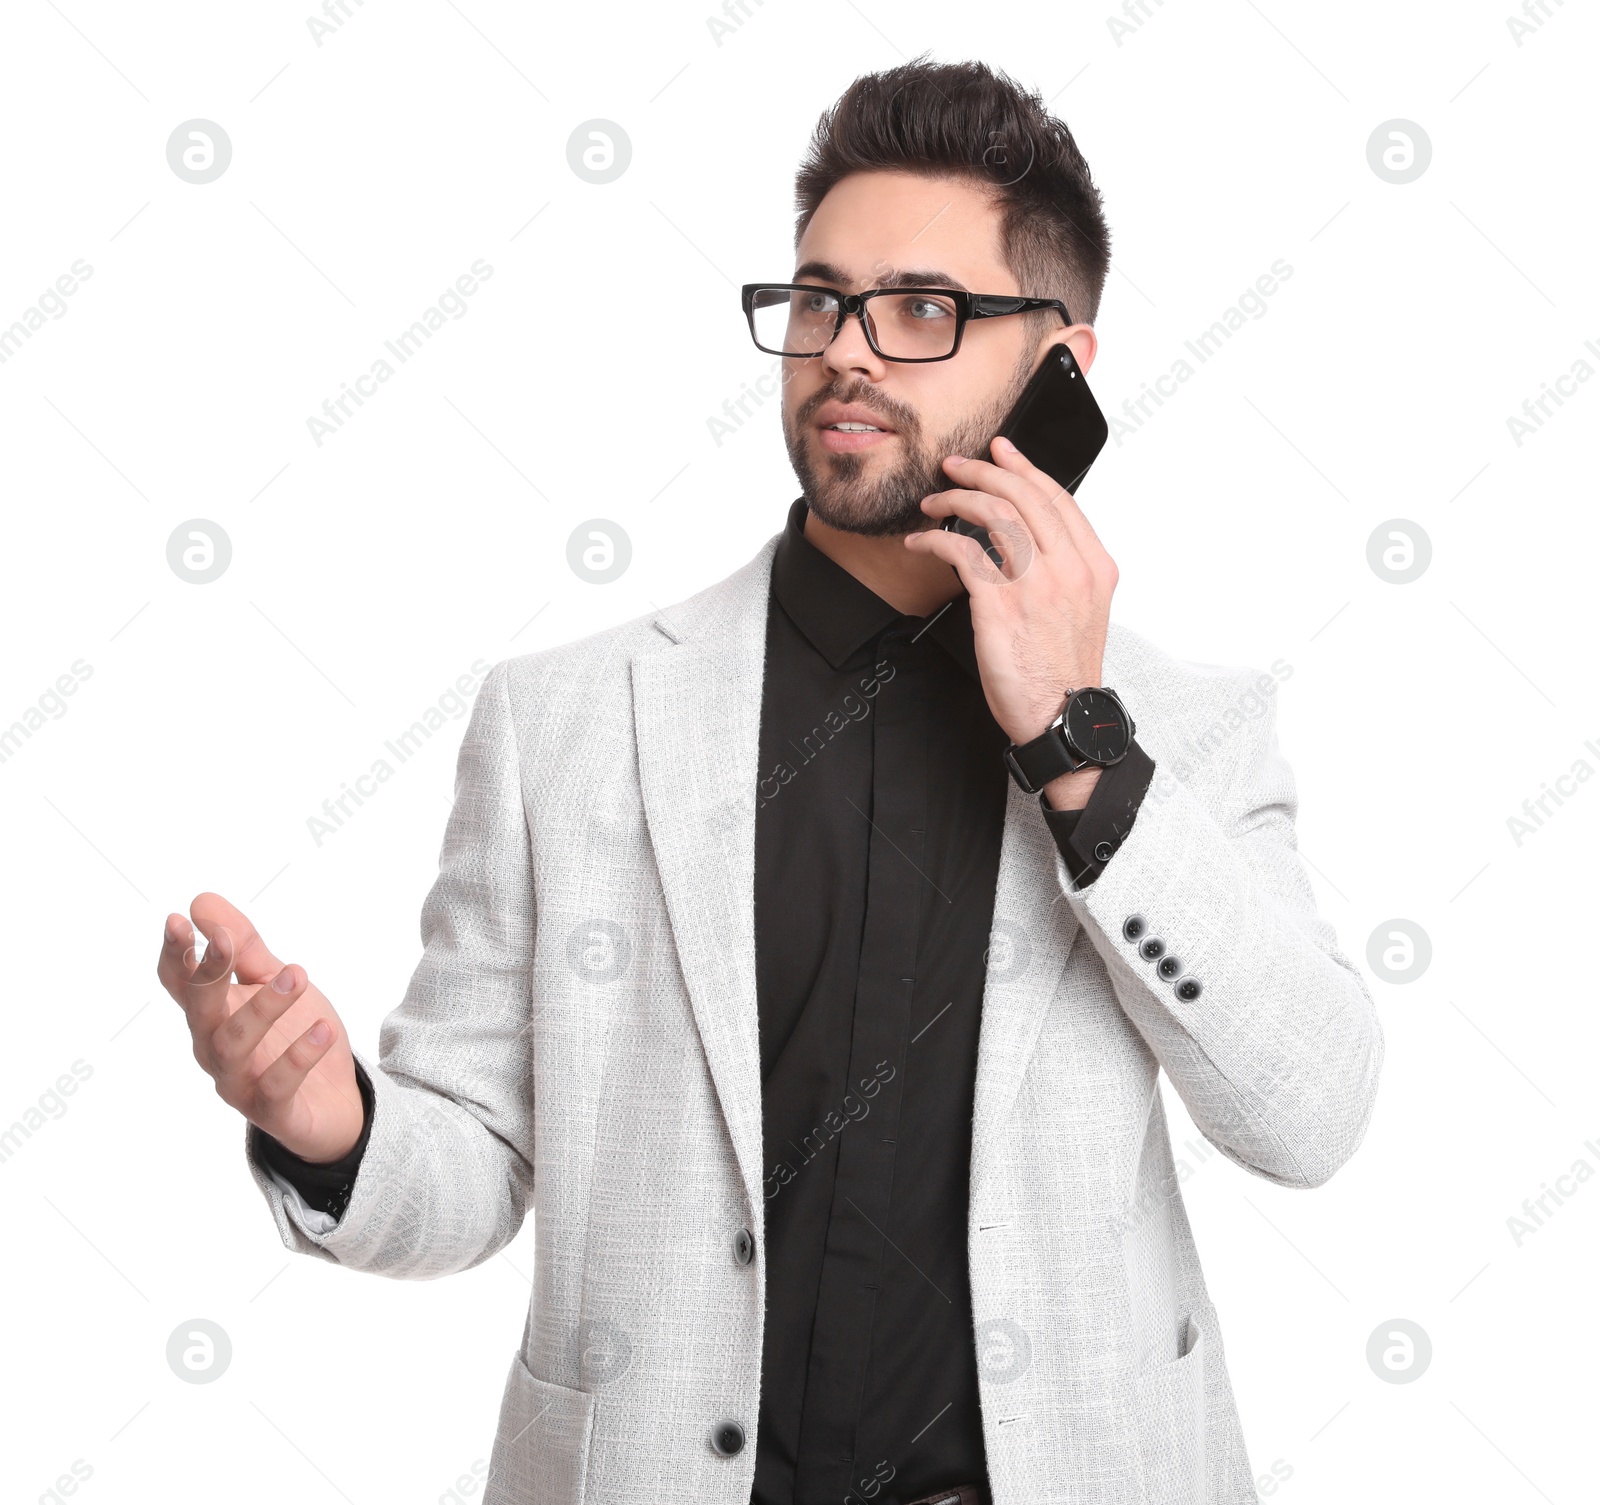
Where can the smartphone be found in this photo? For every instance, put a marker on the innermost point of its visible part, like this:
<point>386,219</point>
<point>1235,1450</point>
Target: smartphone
<point>1057,424</point>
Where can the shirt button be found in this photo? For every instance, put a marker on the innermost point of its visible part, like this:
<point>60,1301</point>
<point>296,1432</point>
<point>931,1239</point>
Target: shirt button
<point>1188,989</point>
<point>744,1247</point>
<point>1133,927</point>
<point>1102,851</point>
<point>728,1439</point>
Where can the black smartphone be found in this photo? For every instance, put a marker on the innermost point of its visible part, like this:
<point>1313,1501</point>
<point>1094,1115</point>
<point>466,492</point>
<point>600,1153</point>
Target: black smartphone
<point>1057,424</point>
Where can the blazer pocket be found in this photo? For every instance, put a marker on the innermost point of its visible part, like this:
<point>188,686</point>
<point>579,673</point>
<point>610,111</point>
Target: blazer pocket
<point>541,1447</point>
<point>1171,1424</point>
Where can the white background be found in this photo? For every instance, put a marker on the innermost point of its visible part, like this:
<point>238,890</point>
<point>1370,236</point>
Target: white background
<point>430,531</point>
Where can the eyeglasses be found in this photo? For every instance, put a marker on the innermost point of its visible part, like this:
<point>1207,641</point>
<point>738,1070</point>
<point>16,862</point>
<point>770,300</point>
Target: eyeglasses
<point>901,324</point>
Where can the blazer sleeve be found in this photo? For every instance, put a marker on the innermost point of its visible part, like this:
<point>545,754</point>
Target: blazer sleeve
<point>447,1172</point>
<point>1276,1054</point>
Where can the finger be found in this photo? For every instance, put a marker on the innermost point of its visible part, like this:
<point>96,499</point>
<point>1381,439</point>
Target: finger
<point>1022,485</point>
<point>1062,504</point>
<point>253,961</point>
<point>281,1080</point>
<point>234,1041</point>
<point>964,555</point>
<point>176,963</point>
<point>205,999</point>
<point>1007,532</point>
<point>976,506</point>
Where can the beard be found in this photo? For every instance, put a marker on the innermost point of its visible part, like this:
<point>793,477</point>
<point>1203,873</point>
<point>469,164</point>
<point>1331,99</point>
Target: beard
<point>838,487</point>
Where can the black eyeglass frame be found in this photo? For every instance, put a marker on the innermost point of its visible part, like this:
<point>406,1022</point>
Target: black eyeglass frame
<point>969,306</point>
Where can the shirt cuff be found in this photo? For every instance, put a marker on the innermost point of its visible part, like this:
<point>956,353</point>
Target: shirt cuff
<point>323,1188</point>
<point>1089,838</point>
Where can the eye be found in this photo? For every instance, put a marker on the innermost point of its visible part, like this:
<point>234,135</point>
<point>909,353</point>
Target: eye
<point>927,309</point>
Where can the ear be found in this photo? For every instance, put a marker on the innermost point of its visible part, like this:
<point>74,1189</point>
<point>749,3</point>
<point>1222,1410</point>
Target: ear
<point>1081,340</point>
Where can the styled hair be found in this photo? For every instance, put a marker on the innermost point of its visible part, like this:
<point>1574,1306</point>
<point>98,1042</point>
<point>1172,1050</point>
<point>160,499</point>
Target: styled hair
<point>965,120</point>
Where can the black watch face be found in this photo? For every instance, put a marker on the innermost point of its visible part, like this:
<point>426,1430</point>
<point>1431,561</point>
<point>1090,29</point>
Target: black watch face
<point>1097,727</point>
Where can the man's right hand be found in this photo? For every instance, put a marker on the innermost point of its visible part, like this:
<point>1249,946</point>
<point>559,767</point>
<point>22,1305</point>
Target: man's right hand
<point>271,1042</point>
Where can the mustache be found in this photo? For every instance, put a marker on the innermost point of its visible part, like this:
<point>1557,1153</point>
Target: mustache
<point>902,418</point>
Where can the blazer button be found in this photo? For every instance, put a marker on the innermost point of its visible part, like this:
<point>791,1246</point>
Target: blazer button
<point>1102,851</point>
<point>1151,947</point>
<point>1133,927</point>
<point>1188,990</point>
<point>744,1247</point>
<point>1168,967</point>
<point>728,1439</point>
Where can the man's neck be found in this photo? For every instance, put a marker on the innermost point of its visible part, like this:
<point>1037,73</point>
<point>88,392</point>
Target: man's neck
<point>915,584</point>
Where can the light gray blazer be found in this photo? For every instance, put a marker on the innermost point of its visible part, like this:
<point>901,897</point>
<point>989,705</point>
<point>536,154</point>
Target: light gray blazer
<point>581,1034</point>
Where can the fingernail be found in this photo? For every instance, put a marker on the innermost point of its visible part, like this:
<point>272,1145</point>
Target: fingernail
<point>284,981</point>
<point>320,1033</point>
<point>1001,442</point>
<point>959,459</point>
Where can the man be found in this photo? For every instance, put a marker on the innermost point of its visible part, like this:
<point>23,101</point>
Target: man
<point>824,1048</point>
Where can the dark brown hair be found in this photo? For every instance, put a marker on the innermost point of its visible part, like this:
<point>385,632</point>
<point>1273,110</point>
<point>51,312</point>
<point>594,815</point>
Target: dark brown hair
<point>965,120</point>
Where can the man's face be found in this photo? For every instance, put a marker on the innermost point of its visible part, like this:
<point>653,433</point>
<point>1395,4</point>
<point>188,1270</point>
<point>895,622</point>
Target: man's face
<point>869,231</point>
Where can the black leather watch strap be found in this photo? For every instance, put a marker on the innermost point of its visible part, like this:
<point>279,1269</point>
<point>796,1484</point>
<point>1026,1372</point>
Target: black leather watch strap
<point>1034,764</point>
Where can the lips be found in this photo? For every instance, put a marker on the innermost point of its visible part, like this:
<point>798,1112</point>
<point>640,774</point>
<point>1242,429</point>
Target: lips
<point>844,441</point>
<point>831,413</point>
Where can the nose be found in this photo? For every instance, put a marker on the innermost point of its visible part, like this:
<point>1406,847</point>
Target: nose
<point>850,351</point>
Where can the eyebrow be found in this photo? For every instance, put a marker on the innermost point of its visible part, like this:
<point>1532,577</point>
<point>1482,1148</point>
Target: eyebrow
<point>826,271</point>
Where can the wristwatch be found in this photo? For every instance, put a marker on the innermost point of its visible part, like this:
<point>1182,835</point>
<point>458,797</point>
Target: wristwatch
<point>1094,730</point>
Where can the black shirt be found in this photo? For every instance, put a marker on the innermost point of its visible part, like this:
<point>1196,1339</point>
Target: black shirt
<point>881,801</point>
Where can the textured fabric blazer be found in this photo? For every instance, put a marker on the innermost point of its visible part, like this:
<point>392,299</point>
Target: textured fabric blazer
<point>580,1037</point>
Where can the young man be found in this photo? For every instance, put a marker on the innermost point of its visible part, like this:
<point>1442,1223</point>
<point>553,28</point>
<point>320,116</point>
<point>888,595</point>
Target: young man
<point>821,1035</point>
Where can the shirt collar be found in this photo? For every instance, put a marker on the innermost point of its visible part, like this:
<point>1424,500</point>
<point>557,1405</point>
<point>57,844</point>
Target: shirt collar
<point>839,615</point>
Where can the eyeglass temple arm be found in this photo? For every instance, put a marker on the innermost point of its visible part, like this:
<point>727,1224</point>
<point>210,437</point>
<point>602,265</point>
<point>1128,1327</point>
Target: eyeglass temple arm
<point>994,305</point>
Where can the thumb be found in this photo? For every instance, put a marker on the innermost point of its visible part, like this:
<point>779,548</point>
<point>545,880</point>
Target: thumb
<point>253,962</point>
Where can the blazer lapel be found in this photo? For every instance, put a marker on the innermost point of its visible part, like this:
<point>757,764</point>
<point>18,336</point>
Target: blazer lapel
<point>1032,937</point>
<point>1033,931</point>
<point>697,715</point>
